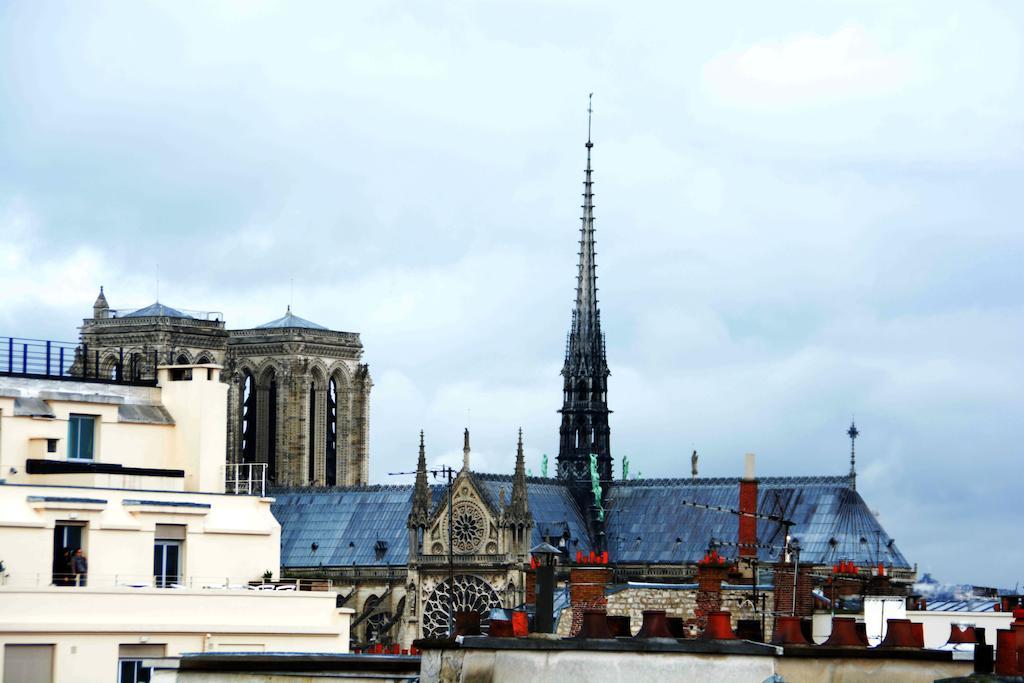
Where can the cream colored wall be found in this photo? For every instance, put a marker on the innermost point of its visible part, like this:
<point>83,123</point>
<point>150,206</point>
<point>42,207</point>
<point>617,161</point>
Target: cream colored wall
<point>88,624</point>
<point>236,538</point>
<point>508,666</point>
<point>838,670</point>
<point>195,443</point>
<point>106,481</point>
<point>937,624</point>
<point>131,445</point>
<point>230,542</point>
<point>199,407</point>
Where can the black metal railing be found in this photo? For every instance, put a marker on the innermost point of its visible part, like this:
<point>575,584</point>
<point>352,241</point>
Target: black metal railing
<point>214,316</point>
<point>44,358</point>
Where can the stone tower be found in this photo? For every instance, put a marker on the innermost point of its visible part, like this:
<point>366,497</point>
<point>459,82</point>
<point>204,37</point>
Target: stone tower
<point>300,402</point>
<point>298,396</point>
<point>131,342</point>
<point>584,430</point>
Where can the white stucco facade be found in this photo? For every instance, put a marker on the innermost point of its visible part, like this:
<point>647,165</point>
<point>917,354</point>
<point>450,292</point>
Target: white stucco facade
<point>173,562</point>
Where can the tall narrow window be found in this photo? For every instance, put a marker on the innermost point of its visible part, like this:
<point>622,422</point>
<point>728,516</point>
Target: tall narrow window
<point>248,419</point>
<point>272,431</point>
<point>166,563</point>
<point>312,432</point>
<point>167,554</point>
<point>331,458</point>
<point>81,430</point>
<point>67,538</point>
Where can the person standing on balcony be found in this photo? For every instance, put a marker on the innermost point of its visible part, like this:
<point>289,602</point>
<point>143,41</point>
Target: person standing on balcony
<point>79,567</point>
<point>63,575</point>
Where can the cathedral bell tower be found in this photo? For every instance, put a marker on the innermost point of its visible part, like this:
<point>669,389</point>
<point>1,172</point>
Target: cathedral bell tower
<point>584,431</point>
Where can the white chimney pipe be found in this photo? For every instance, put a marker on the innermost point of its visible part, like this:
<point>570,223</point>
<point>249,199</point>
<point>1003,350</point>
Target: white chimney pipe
<point>748,467</point>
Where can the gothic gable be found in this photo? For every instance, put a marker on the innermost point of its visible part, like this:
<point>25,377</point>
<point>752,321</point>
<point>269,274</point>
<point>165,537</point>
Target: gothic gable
<point>474,522</point>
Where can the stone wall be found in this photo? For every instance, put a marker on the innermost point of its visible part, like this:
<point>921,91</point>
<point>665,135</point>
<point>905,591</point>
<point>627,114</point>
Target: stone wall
<point>682,602</point>
<point>714,662</point>
<point>586,591</point>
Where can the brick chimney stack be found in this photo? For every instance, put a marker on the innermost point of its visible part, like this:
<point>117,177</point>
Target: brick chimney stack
<point>748,504</point>
<point>586,591</point>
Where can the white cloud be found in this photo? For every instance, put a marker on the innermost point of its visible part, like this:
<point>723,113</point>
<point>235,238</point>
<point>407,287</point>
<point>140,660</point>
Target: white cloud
<point>807,70</point>
<point>35,274</point>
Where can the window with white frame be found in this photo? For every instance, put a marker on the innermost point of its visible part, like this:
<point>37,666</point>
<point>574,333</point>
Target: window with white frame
<point>130,659</point>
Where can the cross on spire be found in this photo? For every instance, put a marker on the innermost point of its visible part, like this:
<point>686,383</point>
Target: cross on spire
<point>853,434</point>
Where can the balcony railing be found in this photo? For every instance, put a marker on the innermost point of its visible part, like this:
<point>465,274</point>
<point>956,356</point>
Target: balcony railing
<point>48,359</point>
<point>246,478</point>
<point>216,316</point>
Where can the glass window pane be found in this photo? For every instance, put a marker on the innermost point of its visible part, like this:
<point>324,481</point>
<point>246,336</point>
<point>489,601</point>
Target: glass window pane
<point>173,550</point>
<point>158,564</point>
<point>72,437</point>
<point>81,430</point>
<point>85,437</point>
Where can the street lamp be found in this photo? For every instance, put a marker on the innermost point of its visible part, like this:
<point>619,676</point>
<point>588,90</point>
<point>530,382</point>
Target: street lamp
<point>545,555</point>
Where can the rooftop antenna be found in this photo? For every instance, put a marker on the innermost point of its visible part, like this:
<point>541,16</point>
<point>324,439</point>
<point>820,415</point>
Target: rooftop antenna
<point>291,293</point>
<point>853,434</point>
<point>158,282</point>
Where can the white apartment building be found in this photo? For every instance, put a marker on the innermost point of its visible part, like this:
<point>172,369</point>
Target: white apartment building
<point>133,477</point>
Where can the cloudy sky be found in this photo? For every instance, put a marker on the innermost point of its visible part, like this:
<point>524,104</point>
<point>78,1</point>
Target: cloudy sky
<point>806,211</point>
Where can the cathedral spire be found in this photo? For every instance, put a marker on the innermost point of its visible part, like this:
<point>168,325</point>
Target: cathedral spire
<point>465,449</point>
<point>520,505</point>
<point>586,315</point>
<point>421,490</point>
<point>584,431</point>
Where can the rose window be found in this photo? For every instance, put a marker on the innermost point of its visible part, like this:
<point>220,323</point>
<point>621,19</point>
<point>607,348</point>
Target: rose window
<point>468,527</point>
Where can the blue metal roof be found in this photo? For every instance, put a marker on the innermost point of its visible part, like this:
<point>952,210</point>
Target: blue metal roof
<point>345,523</point>
<point>290,320</point>
<point>553,508</point>
<point>156,310</point>
<point>647,523</point>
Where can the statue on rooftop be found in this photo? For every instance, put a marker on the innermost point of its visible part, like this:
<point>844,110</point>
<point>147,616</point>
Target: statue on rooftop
<point>595,486</point>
